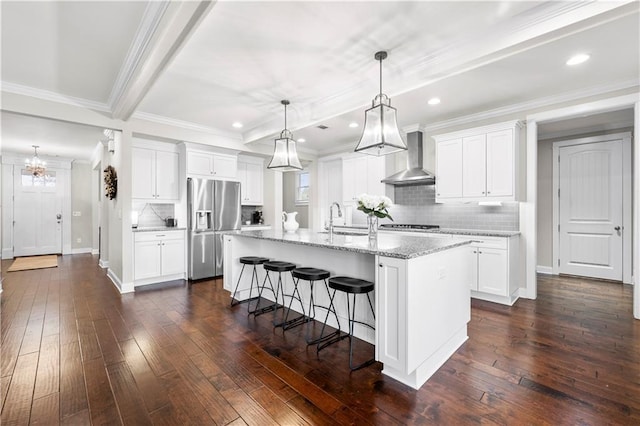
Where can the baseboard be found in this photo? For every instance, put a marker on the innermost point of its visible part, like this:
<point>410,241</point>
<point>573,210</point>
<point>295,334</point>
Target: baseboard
<point>103,263</point>
<point>7,253</point>
<point>81,250</point>
<point>547,270</point>
<point>95,251</point>
<point>121,287</point>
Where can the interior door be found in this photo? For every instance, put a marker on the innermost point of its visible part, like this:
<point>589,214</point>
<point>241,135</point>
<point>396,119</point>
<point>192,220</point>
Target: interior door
<point>591,210</point>
<point>37,213</point>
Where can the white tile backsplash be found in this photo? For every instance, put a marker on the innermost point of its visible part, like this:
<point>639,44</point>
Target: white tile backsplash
<point>416,204</point>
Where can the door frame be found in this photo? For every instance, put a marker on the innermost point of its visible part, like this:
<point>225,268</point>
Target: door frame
<point>626,197</point>
<point>528,214</point>
<point>9,162</point>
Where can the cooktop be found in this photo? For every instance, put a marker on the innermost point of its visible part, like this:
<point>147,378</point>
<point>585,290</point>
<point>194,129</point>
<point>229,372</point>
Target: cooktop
<point>408,226</point>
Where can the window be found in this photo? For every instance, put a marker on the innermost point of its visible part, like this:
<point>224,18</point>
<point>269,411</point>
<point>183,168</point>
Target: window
<point>302,187</point>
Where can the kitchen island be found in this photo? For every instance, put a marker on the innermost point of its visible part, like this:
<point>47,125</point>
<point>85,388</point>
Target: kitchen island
<point>422,299</point>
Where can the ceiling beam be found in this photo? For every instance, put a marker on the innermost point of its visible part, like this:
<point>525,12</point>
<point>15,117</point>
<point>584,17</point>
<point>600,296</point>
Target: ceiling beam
<point>164,30</point>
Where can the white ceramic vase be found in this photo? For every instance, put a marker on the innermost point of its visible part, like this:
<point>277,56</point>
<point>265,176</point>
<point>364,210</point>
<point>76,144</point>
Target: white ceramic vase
<point>289,222</point>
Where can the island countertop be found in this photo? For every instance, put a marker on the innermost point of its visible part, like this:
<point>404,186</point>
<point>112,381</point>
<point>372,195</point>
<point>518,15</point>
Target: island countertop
<point>387,244</point>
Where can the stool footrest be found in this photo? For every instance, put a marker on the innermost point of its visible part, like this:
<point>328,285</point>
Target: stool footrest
<point>286,325</point>
<point>264,310</point>
<point>322,338</point>
<point>235,302</point>
<point>336,339</point>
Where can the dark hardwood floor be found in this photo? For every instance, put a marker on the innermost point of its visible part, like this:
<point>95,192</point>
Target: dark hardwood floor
<point>74,351</point>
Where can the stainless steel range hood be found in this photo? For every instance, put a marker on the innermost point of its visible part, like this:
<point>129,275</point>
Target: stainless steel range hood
<point>414,174</point>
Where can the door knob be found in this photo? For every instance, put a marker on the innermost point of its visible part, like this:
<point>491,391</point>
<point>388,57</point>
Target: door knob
<point>617,228</point>
<point>58,216</point>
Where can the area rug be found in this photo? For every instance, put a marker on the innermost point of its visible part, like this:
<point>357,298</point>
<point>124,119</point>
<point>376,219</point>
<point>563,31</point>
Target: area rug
<point>34,262</point>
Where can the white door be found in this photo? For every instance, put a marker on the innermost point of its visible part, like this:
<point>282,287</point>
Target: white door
<point>591,210</point>
<point>37,213</point>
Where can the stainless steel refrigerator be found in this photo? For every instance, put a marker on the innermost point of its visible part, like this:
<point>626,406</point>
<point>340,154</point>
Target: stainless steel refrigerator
<point>213,206</point>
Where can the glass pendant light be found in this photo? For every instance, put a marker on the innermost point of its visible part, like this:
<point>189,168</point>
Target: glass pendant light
<point>285,156</point>
<point>35,166</point>
<point>380,135</point>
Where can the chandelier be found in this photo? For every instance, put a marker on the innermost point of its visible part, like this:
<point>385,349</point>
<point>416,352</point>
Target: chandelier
<point>380,135</point>
<point>35,165</point>
<point>285,155</point>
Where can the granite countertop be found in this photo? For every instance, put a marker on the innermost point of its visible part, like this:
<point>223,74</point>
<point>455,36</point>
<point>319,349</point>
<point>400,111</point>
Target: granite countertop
<point>157,228</point>
<point>453,231</point>
<point>255,225</point>
<point>397,246</point>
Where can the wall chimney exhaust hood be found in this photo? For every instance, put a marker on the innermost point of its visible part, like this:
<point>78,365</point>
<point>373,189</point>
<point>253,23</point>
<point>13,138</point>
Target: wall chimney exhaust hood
<point>415,173</point>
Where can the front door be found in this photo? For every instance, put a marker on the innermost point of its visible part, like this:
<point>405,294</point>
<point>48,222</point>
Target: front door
<point>591,210</point>
<point>37,213</point>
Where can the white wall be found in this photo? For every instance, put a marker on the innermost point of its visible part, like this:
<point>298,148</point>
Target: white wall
<point>289,199</point>
<point>81,232</point>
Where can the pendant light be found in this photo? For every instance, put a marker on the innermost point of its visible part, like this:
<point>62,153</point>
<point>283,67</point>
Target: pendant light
<point>380,135</point>
<point>35,165</point>
<point>285,156</point>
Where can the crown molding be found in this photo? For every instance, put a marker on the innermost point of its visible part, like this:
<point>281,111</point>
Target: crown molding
<point>530,105</point>
<point>151,18</point>
<point>47,95</point>
<point>187,125</point>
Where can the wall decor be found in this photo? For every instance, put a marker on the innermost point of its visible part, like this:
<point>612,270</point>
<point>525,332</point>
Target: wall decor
<point>110,182</point>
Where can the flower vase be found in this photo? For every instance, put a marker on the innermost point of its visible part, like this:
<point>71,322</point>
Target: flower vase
<point>372,226</point>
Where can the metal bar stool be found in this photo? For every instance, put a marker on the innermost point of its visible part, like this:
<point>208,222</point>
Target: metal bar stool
<point>352,286</point>
<point>254,261</point>
<point>312,275</point>
<point>280,267</point>
<point>270,265</point>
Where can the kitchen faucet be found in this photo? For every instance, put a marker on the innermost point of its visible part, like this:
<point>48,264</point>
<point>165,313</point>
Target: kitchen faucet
<point>335,203</point>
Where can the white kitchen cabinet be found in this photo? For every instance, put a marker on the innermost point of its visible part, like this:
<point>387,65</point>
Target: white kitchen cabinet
<point>493,262</point>
<point>449,169</point>
<point>211,165</point>
<point>474,166</point>
<point>480,164</point>
<point>251,176</point>
<point>362,174</point>
<point>159,256</point>
<point>156,174</point>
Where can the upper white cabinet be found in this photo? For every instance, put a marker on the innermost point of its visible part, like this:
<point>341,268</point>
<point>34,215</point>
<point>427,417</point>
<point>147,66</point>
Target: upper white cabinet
<point>211,165</point>
<point>449,178</point>
<point>362,174</point>
<point>479,164</point>
<point>156,172</point>
<point>250,175</point>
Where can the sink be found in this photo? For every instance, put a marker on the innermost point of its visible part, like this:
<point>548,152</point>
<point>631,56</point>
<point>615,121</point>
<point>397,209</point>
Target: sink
<point>344,233</point>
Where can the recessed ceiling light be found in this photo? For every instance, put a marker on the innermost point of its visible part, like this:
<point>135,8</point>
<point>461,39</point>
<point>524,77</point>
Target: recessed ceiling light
<point>302,140</point>
<point>353,124</point>
<point>578,59</point>
<point>237,125</point>
<point>434,101</point>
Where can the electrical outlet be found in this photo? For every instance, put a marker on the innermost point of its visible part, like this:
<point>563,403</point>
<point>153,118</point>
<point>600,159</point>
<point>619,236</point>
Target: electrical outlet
<point>77,213</point>
<point>78,240</point>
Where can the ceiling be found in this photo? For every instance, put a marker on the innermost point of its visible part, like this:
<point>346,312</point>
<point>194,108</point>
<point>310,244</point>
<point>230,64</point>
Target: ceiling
<point>234,62</point>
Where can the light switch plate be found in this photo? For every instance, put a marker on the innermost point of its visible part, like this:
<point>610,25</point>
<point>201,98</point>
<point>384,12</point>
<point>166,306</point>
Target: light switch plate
<point>77,213</point>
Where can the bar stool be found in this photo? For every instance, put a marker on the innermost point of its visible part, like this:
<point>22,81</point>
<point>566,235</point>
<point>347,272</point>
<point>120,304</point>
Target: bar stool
<point>254,261</point>
<point>270,265</point>
<point>312,275</point>
<point>280,267</point>
<point>352,286</point>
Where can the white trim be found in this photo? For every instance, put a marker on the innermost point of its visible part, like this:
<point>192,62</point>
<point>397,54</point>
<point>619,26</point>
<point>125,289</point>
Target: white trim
<point>81,250</point>
<point>544,270</point>
<point>151,18</point>
<point>531,105</point>
<point>636,215</point>
<point>188,125</point>
<point>528,219</point>
<point>46,95</point>
<point>156,280</point>
<point>513,124</point>
<point>95,251</point>
<point>103,263</point>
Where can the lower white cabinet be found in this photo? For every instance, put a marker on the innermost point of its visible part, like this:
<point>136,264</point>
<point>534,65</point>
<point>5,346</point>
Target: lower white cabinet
<point>158,256</point>
<point>494,263</point>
